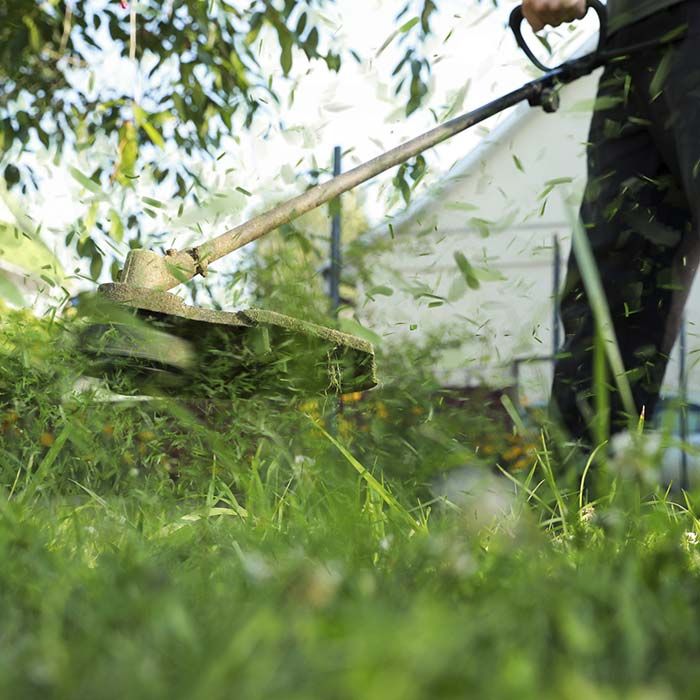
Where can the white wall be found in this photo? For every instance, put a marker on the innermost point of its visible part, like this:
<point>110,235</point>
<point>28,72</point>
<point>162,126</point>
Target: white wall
<point>512,317</point>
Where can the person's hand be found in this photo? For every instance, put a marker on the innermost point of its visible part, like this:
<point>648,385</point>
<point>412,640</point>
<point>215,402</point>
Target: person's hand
<point>539,13</point>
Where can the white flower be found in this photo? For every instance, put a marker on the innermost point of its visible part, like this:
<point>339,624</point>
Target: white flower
<point>587,513</point>
<point>691,537</point>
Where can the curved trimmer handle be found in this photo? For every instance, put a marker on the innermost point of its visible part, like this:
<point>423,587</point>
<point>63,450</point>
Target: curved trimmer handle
<point>516,20</point>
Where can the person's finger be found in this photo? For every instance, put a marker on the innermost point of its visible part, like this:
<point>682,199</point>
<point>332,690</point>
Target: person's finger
<point>576,11</point>
<point>553,18</point>
<point>540,13</point>
<point>533,18</point>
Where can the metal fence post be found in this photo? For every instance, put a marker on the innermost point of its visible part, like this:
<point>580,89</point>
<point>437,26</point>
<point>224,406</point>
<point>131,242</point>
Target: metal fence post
<point>336,256</point>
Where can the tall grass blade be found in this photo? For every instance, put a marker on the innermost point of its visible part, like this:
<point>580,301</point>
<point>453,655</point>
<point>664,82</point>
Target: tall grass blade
<point>586,469</point>
<point>601,390</point>
<point>531,493</point>
<point>601,312</point>
<point>545,463</point>
<point>35,480</point>
<point>507,403</point>
<point>376,486</point>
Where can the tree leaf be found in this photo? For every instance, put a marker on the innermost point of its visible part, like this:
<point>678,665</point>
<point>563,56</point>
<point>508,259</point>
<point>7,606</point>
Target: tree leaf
<point>351,326</point>
<point>85,181</point>
<point>153,134</point>
<point>28,253</point>
<point>128,153</point>
<point>401,30</point>
<point>96,264</point>
<point>286,51</point>
<point>9,291</point>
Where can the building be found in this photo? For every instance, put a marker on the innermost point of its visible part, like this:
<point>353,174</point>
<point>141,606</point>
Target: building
<point>507,208</point>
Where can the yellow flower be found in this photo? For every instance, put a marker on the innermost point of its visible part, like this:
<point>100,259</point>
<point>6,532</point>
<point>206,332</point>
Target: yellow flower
<point>10,418</point>
<point>521,464</point>
<point>46,439</point>
<point>513,453</point>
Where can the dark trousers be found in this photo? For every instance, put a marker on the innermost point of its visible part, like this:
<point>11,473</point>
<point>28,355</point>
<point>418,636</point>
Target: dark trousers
<point>640,212</point>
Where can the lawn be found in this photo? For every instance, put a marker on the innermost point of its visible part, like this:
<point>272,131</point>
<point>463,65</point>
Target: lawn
<point>281,548</point>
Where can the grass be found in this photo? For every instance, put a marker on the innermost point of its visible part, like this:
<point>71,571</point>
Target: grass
<point>248,551</point>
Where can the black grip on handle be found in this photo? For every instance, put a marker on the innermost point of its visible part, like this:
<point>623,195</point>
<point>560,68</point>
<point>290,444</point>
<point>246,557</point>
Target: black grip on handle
<point>516,20</point>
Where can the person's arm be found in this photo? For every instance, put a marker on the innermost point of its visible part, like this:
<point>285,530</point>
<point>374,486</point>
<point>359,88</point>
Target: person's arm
<point>540,13</point>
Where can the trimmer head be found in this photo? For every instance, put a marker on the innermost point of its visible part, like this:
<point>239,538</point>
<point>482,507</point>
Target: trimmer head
<point>151,343</point>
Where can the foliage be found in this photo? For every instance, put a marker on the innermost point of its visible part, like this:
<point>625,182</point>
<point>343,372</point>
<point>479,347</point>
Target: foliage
<point>197,78</point>
<point>202,61</point>
<point>290,271</point>
<point>202,70</point>
<point>104,598</point>
<point>170,550</point>
<point>142,91</point>
<point>411,425</point>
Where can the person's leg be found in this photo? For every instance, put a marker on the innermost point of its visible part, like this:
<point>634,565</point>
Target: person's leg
<point>671,89</point>
<point>638,221</point>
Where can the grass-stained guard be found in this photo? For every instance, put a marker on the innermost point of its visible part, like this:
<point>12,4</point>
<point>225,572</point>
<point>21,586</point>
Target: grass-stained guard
<point>151,343</point>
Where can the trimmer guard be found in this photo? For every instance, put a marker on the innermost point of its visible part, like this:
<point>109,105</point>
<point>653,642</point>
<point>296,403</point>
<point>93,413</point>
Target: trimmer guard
<point>151,343</point>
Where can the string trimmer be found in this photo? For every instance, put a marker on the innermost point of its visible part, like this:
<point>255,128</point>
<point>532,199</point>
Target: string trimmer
<point>194,351</point>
